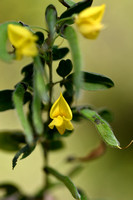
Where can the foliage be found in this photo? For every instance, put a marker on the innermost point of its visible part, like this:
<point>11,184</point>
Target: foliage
<point>36,90</point>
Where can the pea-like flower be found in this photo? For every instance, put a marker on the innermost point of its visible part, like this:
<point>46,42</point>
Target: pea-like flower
<point>89,21</point>
<point>23,40</point>
<point>61,115</point>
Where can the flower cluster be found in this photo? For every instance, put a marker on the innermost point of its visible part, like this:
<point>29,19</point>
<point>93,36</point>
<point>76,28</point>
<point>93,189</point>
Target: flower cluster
<point>23,40</point>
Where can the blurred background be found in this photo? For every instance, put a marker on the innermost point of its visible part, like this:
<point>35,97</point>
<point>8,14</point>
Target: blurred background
<point>111,176</point>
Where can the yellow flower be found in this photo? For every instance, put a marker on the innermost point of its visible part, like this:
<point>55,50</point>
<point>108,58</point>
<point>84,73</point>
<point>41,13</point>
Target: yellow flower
<point>61,115</point>
<point>89,21</point>
<point>23,40</point>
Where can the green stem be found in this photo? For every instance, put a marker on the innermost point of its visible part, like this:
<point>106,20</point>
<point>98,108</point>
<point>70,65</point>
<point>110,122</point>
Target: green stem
<point>46,164</point>
<point>45,150</point>
<point>57,82</point>
<point>66,180</point>
<point>50,83</point>
<point>64,20</point>
<point>49,63</point>
<point>38,27</point>
<point>45,155</point>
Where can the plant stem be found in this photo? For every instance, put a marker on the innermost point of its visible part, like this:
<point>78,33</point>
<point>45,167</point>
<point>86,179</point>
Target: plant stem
<point>49,63</point>
<point>46,164</point>
<point>64,20</point>
<point>50,83</point>
<point>45,155</point>
<point>37,27</point>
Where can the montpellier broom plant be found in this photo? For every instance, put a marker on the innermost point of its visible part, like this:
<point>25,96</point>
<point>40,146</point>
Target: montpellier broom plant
<point>37,86</point>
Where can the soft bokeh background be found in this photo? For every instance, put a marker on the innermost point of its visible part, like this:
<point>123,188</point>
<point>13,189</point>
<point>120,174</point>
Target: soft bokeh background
<point>111,176</point>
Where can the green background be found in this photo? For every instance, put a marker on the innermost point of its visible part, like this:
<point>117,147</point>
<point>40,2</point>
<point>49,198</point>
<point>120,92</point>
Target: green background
<point>111,176</point>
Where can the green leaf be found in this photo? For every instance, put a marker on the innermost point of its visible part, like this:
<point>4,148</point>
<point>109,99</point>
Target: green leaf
<point>76,115</point>
<point>59,53</point>
<point>58,135</point>
<point>102,126</point>
<point>53,145</point>
<point>93,81</point>
<point>40,83</point>
<point>40,36</point>
<point>24,152</point>
<point>51,18</point>
<point>105,114</point>
<point>76,170</point>
<point>4,55</point>
<point>27,71</point>
<point>36,106</point>
<point>67,3</point>
<point>68,95</point>
<point>18,97</point>
<point>10,141</point>
<point>6,102</point>
<point>76,8</point>
<point>64,179</point>
<point>69,88</point>
<point>71,36</point>
<point>28,150</point>
<point>82,194</point>
<point>9,188</point>
<point>64,68</point>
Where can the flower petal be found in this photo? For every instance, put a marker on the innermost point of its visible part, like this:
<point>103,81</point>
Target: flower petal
<point>89,21</point>
<point>23,40</point>
<point>68,125</point>
<point>58,121</point>
<point>90,32</point>
<point>91,14</point>
<point>61,129</point>
<point>29,49</point>
<point>17,34</point>
<point>61,124</point>
<point>61,107</point>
